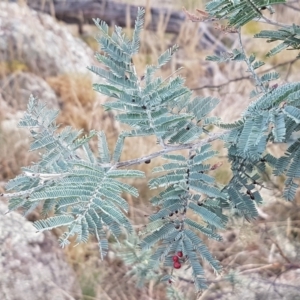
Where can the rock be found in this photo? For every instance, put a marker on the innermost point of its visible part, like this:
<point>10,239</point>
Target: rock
<point>19,86</point>
<point>32,266</point>
<point>38,42</point>
<point>52,61</point>
<point>255,287</point>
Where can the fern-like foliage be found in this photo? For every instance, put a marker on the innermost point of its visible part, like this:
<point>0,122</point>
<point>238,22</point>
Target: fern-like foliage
<point>289,165</point>
<point>272,118</point>
<point>237,55</point>
<point>154,106</point>
<point>239,12</point>
<point>150,105</point>
<point>173,293</point>
<point>188,187</point>
<point>74,192</point>
<point>289,36</point>
<point>82,193</point>
<point>142,269</point>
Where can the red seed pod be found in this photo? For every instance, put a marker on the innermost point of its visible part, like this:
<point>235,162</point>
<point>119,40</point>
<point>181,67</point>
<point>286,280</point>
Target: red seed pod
<point>217,165</point>
<point>179,254</point>
<point>177,265</point>
<point>175,258</point>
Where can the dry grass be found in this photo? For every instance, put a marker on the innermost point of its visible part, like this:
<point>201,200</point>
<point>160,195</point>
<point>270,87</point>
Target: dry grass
<point>245,245</point>
<point>77,100</point>
<point>172,4</point>
<point>14,144</point>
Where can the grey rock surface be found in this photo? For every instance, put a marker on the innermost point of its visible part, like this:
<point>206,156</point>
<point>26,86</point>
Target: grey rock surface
<point>38,41</point>
<point>255,287</point>
<point>32,266</point>
<point>19,86</point>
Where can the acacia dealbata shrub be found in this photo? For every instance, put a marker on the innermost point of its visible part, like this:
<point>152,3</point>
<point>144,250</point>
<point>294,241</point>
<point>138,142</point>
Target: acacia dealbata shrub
<point>82,192</point>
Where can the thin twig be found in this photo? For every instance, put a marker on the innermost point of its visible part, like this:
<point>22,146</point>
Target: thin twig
<point>209,86</point>
<point>127,163</point>
<point>273,266</point>
<point>262,268</point>
<point>290,68</point>
<point>280,251</point>
<point>176,71</point>
<point>291,6</point>
<point>167,149</point>
<point>284,285</point>
<point>290,62</point>
<point>271,22</point>
<point>250,68</point>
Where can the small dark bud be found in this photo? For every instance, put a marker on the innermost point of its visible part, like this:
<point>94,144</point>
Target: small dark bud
<point>144,107</point>
<point>199,203</point>
<point>192,156</point>
<point>250,194</point>
<point>262,160</point>
<point>147,161</point>
<point>254,182</point>
<point>133,100</point>
<point>263,8</point>
<point>177,226</point>
<point>176,211</point>
<point>142,78</point>
<point>188,171</point>
<point>171,214</point>
<point>187,128</point>
<point>187,182</point>
<point>184,210</point>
